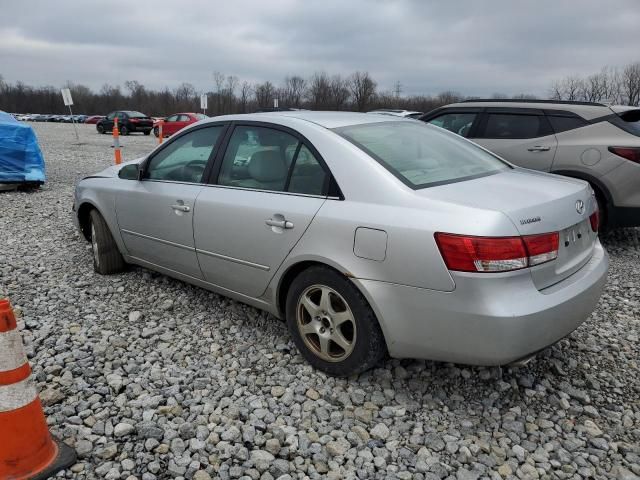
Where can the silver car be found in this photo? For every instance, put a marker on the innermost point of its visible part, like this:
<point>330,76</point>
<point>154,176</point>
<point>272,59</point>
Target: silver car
<point>369,234</point>
<point>592,141</point>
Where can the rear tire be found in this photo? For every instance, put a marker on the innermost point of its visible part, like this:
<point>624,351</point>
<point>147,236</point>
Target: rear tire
<point>100,129</point>
<point>147,132</point>
<point>107,258</point>
<point>338,334</point>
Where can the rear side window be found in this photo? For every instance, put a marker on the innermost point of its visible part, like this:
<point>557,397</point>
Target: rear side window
<point>628,121</point>
<point>307,176</point>
<point>515,126</point>
<point>420,155</point>
<point>459,123</point>
<point>563,124</point>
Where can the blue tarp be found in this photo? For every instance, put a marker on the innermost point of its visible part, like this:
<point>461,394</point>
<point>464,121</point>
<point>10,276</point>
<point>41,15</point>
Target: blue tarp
<point>20,157</point>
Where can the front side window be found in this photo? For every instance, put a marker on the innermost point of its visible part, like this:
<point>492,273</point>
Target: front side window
<point>515,126</point>
<point>459,123</point>
<point>259,158</point>
<point>185,158</point>
<point>420,155</point>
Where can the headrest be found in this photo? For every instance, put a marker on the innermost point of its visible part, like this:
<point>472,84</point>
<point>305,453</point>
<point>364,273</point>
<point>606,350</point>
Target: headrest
<point>267,166</point>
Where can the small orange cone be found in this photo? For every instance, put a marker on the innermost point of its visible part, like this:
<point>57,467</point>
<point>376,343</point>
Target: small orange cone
<point>27,449</point>
<point>116,141</point>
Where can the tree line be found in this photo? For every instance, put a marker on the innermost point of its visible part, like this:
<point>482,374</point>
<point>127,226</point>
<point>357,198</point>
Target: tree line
<point>617,85</point>
<point>321,91</point>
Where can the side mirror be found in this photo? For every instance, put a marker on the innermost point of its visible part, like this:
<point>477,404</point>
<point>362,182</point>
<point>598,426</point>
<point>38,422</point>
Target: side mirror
<point>130,172</point>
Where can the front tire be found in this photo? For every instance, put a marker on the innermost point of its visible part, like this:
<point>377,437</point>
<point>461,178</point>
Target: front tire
<point>156,131</point>
<point>332,324</point>
<point>147,132</point>
<point>100,129</point>
<point>106,256</point>
<point>123,130</point>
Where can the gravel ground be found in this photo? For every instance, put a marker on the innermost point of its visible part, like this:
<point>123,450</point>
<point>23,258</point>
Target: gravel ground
<point>149,377</point>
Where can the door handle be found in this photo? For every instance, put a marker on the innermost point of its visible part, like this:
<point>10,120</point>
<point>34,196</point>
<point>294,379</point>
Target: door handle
<point>279,223</point>
<point>539,148</point>
<point>181,208</point>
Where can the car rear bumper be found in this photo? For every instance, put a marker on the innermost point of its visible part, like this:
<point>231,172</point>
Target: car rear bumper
<point>491,321</point>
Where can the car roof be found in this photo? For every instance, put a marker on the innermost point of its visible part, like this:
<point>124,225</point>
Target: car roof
<point>586,110</point>
<point>325,119</point>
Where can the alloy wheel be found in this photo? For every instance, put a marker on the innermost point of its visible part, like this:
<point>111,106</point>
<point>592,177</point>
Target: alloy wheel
<point>326,323</point>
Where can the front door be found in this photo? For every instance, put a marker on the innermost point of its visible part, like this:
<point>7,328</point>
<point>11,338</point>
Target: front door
<point>155,214</point>
<point>269,188</point>
<point>523,139</point>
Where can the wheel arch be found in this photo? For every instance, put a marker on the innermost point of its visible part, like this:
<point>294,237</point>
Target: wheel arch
<point>84,218</point>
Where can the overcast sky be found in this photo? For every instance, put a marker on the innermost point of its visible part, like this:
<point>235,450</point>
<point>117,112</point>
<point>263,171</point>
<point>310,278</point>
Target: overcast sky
<point>474,47</point>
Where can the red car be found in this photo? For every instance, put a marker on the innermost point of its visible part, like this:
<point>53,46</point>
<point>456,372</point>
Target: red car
<point>93,119</point>
<point>176,122</point>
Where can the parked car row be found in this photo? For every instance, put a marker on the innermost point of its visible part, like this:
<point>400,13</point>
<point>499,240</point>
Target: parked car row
<point>39,117</point>
<point>367,233</point>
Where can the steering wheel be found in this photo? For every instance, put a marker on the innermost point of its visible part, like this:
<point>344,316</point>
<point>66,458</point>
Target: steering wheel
<point>194,170</point>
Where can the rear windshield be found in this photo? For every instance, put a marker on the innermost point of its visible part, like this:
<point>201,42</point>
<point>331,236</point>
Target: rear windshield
<point>136,115</point>
<point>422,155</point>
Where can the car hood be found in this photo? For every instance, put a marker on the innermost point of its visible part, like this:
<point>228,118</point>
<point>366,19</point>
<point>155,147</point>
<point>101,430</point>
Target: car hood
<point>112,171</point>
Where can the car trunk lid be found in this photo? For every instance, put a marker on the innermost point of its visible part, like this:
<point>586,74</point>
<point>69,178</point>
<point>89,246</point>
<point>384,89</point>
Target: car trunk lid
<point>536,203</point>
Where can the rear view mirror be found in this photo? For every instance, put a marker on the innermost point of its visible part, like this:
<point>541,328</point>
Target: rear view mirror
<point>130,172</point>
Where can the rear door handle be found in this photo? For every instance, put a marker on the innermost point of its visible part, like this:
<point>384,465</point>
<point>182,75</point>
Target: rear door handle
<point>279,223</point>
<point>539,148</point>
<point>181,208</point>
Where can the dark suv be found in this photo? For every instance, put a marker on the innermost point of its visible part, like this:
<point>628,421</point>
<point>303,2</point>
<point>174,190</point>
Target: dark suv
<point>128,122</point>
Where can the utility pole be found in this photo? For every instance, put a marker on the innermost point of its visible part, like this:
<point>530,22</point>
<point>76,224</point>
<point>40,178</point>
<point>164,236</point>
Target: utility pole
<point>397,90</point>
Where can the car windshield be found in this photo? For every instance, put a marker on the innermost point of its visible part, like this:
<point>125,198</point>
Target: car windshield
<point>421,155</point>
<point>136,115</point>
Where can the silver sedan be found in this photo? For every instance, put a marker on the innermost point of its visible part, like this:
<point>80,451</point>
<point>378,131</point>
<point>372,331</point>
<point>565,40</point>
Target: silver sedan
<point>368,234</point>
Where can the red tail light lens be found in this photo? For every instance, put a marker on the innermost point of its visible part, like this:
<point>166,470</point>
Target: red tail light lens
<point>594,219</point>
<point>496,254</point>
<point>542,248</point>
<point>481,254</point>
<point>630,153</point>
<point>134,120</point>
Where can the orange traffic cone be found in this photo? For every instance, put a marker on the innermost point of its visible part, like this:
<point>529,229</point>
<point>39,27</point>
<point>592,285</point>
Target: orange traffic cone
<point>116,141</point>
<point>27,449</point>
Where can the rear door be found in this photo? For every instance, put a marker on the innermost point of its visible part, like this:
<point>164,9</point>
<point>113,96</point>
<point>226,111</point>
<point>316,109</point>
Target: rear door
<point>269,185</point>
<point>522,136</point>
<point>155,214</point>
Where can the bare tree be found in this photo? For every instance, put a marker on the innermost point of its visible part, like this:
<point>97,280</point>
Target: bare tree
<point>265,93</point>
<point>363,89</point>
<point>245,95</point>
<point>339,92</point>
<point>631,83</point>
<point>319,91</point>
<point>293,91</point>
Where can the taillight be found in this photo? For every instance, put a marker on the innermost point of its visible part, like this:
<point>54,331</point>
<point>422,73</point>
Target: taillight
<point>496,254</point>
<point>134,120</point>
<point>541,248</point>
<point>630,153</point>
<point>594,219</point>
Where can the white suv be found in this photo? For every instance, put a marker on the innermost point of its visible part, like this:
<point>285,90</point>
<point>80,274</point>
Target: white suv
<point>595,142</point>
